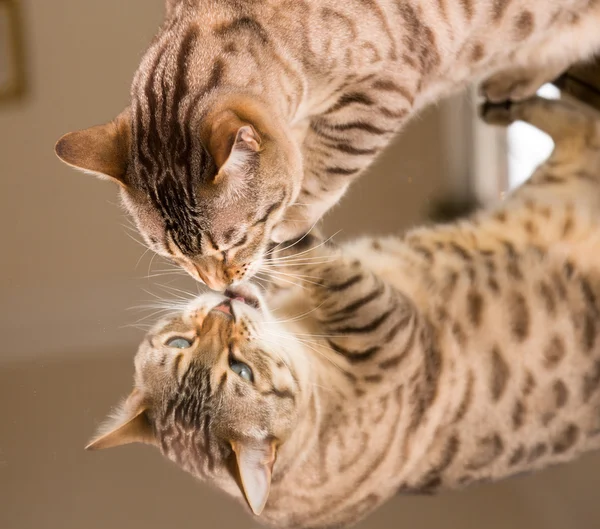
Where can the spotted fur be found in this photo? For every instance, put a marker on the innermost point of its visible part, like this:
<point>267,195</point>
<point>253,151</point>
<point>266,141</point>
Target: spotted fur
<point>320,87</point>
<point>455,354</point>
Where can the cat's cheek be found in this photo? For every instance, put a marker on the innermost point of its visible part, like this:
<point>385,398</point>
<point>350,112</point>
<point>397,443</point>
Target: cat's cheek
<point>253,268</point>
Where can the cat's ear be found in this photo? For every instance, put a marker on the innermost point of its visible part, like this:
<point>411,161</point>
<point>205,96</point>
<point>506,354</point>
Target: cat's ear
<point>234,145</point>
<point>129,424</point>
<point>102,150</point>
<point>170,6</point>
<point>255,462</point>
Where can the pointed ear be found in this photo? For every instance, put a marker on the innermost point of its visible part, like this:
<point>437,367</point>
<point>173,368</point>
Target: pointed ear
<point>102,150</point>
<point>170,6</point>
<point>255,465</point>
<point>233,145</point>
<point>129,425</point>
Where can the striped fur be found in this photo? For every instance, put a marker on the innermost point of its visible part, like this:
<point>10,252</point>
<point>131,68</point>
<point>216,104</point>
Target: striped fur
<point>456,354</point>
<point>325,85</point>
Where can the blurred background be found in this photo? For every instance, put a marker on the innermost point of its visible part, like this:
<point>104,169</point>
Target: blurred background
<point>71,275</point>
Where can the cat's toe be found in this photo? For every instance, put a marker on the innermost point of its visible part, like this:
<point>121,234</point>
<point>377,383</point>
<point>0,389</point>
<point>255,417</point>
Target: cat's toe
<point>496,113</point>
<point>504,87</point>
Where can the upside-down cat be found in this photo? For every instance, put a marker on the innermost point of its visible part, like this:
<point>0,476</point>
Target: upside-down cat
<point>459,353</point>
<point>249,120</point>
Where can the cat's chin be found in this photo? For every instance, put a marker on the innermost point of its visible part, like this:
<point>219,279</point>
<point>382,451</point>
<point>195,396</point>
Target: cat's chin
<point>246,293</point>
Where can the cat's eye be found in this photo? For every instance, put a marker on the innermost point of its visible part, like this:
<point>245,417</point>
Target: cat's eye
<point>241,369</point>
<point>179,343</point>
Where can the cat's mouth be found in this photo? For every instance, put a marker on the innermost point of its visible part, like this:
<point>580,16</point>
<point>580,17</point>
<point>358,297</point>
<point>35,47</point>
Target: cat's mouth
<point>243,294</point>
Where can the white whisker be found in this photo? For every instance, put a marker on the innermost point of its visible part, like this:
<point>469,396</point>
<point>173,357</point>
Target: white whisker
<point>261,275</point>
<point>296,242</point>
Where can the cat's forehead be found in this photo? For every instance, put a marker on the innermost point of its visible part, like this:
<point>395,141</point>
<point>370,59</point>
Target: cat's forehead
<point>176,323</point>
<point>182,319</point>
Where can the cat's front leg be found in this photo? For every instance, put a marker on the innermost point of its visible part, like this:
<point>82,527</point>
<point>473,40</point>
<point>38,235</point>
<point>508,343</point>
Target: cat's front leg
<point>360,315</point>
<point>518,84</point>
<point>340,143</point>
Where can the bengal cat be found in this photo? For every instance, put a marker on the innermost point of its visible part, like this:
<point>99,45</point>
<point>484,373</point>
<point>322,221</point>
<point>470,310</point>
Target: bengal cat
<point>248,120</point>
<point>459,353</point>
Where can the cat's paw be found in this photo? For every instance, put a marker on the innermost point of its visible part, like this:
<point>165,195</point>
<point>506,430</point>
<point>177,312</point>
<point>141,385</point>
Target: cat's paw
<point>499,114</point>
<point>518,84</point>
<point>290,248</point>
<point>296,222</point>
<point>286,230</point>
<point>513,85</point>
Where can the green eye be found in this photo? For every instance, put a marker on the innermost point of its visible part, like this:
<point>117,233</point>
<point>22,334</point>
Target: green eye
<point>179,343</point>
<point>242,370</point>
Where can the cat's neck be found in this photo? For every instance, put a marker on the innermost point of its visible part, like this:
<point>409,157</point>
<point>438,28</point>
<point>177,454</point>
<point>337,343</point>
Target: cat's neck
<point>348,398</point>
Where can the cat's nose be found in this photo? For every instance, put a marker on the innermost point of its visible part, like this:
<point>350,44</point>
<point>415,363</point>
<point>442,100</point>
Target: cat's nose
<point>211,277</point>
<point>216,283</point>
<point>217,321</point>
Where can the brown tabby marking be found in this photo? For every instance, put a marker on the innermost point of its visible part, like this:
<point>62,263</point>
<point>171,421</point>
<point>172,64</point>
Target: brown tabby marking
<point>518,415</point>
<point>500,374</point>
<point>519,316</point>
<point>591,382</point>
<point>249,120</point>
<point>524,25</point>
<point>403,373</point>
<point>475,307</point>
<point>529,385</point>
<point>561,393</point>
<point>468,8</point>
<point>467,399</point>
<point>566,439</point>
<point>536,452</point>
<point>478,52</point>
<point>548,297</point>
<point>490,448</point>
<point>517,456</point>
<point>433,478</point>
<point>554,352</point>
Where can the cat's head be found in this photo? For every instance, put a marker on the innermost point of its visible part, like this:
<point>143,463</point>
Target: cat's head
<point>204,188</point>
<point>218,390</point>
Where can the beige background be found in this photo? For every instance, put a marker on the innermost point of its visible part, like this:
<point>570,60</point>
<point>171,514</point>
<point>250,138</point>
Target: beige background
<point>68,276</point>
